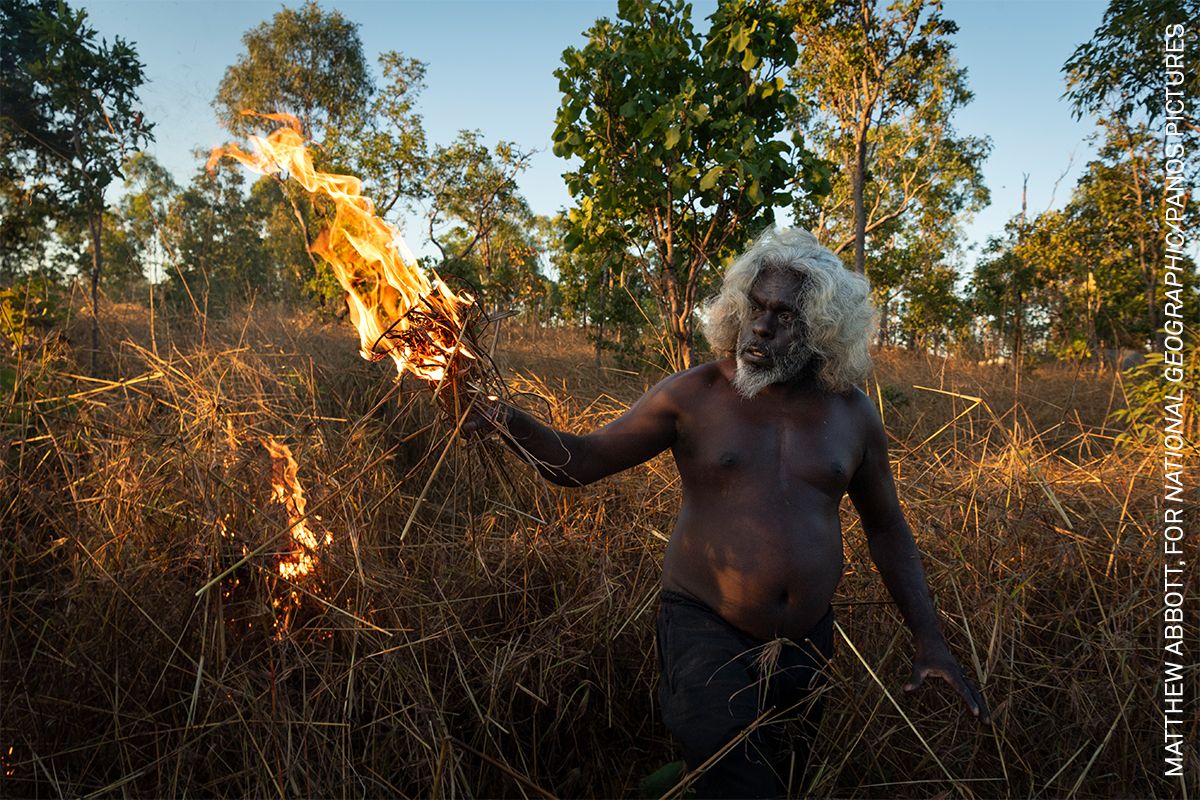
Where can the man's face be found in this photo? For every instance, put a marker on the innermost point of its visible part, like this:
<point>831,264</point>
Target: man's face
<point>772,342</point>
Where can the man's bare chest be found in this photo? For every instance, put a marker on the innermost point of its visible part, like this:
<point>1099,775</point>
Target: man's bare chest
<point>768,448</point>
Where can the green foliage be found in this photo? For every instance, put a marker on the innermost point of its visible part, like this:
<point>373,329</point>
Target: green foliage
<point>290,221</point>
<point>932,314</point>
<point>150,190</point>
<point>216,240</point>
<point>884,88</point>
<point>310,63</point>
<point>482,225</point>
<point>1132,74</point>
<point>26,226</point>
<point>122,278</point>
<point>67,116</point>
<point>605,291</point>
<point>473,188</point>
<point>1006,292</point>
<point>303,62</point>
<point>880,91</point>
<point>680,142</point>
<point>1146,398</point>
<point>36,302</point>
<point>1121,71</point>
<point>389,150</point>
<point>1075,283</point>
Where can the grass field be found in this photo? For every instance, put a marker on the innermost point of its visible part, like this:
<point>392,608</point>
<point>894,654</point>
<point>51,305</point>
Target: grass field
<point>470,631</point>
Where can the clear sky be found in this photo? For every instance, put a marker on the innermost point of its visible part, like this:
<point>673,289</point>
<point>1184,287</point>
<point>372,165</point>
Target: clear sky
<point>491,63</point>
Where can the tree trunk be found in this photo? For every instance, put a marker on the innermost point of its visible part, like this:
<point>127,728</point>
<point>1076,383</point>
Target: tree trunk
<point>680,341</point>
<point>884,335</point>
<point>860,220</point>
<point>95,223</point>
<point>605,286</point>
<point>679,317</point>
<point>1092,308</point>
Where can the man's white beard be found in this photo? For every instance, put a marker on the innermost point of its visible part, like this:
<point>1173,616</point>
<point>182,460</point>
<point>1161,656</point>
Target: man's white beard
<point>749,380</point>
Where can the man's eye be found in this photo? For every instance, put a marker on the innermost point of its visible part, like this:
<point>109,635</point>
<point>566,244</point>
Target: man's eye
<point>786,317</point>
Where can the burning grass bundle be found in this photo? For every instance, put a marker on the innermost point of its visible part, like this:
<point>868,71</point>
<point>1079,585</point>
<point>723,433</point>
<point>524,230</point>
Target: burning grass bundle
<point>426,328</point>
<point>504,648</point>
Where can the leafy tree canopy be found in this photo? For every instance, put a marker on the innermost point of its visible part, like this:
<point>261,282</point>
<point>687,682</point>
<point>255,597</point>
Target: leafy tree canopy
<point>67,116</point>
<point>1122,70</point>
<point>303,62</point>
<point>879,89</point>
<point>681,140</point>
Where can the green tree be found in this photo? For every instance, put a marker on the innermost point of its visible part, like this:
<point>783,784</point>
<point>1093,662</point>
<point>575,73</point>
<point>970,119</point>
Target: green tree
<point>1124,76</point>
<point>1120,207</point>
<point>67,114</point>
<point>879,93</point>
<point>472,190</point>
<point>482,225</point>
<point>389,151</point>
<point>1007,294</point>
<point>310,63</point>
<point>291,220</point>
<point>914,286</point>
<point>1122,70</point>
<point>604,289</point>
<point>1126,190</point>
<point>1098,260</point>
<point>933,315</point>
<point>26,227</point>
<point>123,278</point>
<point>304,62</point>
<point>150,191</point>
<point>216,239</point>
<point>681,142</point>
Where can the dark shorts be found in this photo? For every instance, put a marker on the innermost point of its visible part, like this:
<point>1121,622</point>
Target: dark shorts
<point>716,681</point>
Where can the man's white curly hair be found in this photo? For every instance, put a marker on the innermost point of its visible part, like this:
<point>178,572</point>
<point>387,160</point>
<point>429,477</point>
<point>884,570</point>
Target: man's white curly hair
<point>835,304</point>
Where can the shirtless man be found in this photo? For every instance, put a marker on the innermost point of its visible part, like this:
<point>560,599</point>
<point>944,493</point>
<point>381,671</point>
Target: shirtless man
<point>767,441</point>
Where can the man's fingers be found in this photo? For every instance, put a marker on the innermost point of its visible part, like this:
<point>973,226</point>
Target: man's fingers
<point>973,698</point>
<point>959,682</point>
<point>985,716</point>
<point>965,690</point>
<point>917,678</point>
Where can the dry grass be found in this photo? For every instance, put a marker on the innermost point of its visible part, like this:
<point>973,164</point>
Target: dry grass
<point>504,647</point>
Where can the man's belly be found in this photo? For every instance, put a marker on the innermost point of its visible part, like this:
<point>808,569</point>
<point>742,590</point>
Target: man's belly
<point>767,573</point>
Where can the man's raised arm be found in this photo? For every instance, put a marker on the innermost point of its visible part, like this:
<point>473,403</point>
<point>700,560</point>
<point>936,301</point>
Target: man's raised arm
<point>894,551</point>
<point>642,432</point>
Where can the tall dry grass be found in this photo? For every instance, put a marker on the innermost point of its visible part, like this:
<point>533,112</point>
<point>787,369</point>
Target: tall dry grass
<point>504,645</point>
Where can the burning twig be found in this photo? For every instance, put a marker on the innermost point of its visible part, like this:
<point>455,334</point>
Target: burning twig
<point>426,328</point>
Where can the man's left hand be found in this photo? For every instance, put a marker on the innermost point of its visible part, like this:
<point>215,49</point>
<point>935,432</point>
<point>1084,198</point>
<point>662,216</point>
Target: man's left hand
<point>933,659</point>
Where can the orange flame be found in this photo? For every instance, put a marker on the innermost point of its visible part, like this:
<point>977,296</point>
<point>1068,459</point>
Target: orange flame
<point>398,311</point>
<point>286,490</point>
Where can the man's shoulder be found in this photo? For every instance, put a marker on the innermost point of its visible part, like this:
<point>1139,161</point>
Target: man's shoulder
<point>683,386</point>
<point>854,406</point>
<point>866,412</point>
<point>701,376</point>
<point>860,403</point>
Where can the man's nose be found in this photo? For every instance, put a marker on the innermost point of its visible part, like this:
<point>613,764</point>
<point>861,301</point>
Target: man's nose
<point>763,326</point>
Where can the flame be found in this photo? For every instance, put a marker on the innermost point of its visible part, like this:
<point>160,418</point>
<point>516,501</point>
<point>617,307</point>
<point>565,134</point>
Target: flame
<point>286,490</point>
<point>397,309</point>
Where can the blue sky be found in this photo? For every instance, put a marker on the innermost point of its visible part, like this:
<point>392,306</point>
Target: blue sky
<point>491,63</point>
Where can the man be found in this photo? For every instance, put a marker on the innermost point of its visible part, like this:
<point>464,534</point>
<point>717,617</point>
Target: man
<point>767,441</point>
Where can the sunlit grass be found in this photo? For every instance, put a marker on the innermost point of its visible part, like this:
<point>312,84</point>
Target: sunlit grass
<point>505,647</point>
